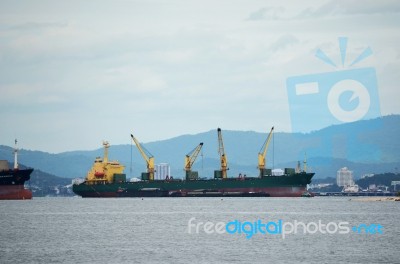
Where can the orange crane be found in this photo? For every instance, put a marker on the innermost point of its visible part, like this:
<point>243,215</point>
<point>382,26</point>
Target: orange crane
<point>223,159</point>
<point>190,158</point>
<point>148,157</point>
<point>262,154</point>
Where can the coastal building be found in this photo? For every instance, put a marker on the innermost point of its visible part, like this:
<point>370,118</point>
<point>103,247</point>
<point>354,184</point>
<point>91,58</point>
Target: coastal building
<point>344,177</point>
<point>162,170</point>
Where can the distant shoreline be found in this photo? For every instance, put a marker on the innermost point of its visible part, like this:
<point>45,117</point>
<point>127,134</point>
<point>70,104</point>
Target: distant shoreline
<point>377,199</point>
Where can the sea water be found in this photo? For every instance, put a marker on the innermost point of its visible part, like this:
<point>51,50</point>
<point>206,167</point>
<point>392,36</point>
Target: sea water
<point>157,230</point>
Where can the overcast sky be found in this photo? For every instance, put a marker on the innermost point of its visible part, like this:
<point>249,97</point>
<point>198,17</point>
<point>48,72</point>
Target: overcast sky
<point>73,73</point>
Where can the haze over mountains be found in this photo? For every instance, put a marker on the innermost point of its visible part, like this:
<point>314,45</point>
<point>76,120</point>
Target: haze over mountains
<point>368,146</point>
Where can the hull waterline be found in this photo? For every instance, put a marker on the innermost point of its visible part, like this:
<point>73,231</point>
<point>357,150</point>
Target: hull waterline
<point>272,186</point>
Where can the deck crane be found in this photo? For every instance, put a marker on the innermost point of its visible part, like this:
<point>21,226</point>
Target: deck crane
<point>263,153</point>
<point>148,157</point>
<point>190,158</point>
<point>224,160</point>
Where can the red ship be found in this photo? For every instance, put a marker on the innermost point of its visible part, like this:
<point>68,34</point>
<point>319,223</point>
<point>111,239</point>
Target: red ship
<point>12,180</point>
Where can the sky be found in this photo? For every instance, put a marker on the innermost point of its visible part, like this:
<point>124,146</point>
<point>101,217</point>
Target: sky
<point>74,73</point>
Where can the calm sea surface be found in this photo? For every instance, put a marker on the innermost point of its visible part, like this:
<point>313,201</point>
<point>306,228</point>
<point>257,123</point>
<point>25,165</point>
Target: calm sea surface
<point>155,230</point>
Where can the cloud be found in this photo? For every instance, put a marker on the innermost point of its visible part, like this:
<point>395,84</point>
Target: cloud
<point>266,13</point>
<point>352,7</point>
<point>37,26</point>
<point>283,42</point>
<point>132,79</point>
<point>144,69</point>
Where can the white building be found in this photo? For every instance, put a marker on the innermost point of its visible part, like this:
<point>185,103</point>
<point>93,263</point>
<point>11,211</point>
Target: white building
<point>344,177</point>
<point>77,181</point>
<point>277,172</point>
<point>162,170</point>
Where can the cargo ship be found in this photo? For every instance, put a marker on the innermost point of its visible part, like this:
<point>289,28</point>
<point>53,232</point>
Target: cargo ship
<point>12,180</point>
<point>107,179</point>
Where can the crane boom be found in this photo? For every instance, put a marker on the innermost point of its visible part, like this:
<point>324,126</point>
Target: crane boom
<point>147,156</point>
<point>191,157</point>
<point>263,153</point>
<point>222,155</point>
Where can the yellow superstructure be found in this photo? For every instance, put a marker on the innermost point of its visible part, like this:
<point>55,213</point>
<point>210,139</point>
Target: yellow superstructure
<point>103,171</point>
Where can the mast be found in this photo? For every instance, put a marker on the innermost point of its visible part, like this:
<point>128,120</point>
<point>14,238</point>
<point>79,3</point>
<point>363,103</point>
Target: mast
<point>106,145</point>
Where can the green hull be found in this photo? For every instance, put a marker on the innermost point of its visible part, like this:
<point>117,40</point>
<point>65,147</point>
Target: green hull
<point>293,185</point>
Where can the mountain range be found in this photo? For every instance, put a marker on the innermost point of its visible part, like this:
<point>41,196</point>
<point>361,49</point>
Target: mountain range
<point>366,146</point>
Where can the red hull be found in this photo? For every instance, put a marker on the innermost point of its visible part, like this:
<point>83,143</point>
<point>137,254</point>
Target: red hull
<point>271,191</point>
<point>281,191</point>
<point>14,192</point>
